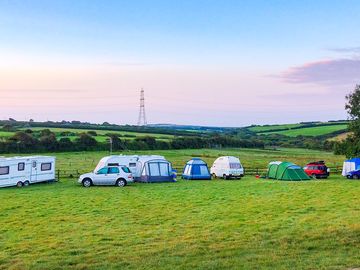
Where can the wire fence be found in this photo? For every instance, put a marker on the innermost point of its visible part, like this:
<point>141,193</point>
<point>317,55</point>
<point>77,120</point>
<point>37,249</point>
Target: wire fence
<point>75,173</point>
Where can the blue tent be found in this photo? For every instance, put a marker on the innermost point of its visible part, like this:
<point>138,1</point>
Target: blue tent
<point>196,169</point>
<point>351,165</point>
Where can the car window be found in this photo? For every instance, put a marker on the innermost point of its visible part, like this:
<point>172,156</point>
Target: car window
<point>103,171</point>
<point>126,169</point>
<point>113,170</point>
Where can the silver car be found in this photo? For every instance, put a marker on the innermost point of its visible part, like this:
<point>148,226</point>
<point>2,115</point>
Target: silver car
<point>107,176</point>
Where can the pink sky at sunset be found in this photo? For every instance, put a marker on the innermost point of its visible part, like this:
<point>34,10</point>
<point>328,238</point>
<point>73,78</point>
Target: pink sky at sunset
<point>226,72</point>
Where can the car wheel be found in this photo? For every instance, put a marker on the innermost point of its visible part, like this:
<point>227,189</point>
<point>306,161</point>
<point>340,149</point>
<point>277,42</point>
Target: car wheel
<point>19,184</point>
<point>26,183</point>
<point>314,176</point>
<point>121,183</point>
<point>356,176</point>
<point>87,182</point>
<point>224,177</point>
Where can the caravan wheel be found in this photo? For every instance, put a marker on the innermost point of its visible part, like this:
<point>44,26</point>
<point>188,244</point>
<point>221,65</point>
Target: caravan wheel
<point>225,177</point>
<point>26,183</point>
<point>19,184</point>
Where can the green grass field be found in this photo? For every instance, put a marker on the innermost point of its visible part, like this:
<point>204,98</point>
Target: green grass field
<point>259,129</point>
<point>250,158</point>
<point>246,224</point>
<point>101,134</point>
<point>310,131</point>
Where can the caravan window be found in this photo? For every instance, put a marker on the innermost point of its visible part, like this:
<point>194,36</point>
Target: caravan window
<point>21,166</point>
<point>154,169</point>
<point>164,169</point>
<point>46,166</point>
<point>132,164</point>
<point>113,164</point>
<point>235,166</point>
<point>4,170</point>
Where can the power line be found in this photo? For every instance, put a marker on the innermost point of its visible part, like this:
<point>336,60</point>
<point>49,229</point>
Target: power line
<point>142,116</point>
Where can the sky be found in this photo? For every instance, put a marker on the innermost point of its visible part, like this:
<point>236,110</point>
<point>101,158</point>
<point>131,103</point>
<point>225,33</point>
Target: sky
<point>203,62</point>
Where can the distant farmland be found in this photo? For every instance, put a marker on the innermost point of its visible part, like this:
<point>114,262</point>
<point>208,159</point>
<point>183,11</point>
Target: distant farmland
<point>101,136</point>
<point>311,131</point>
<point>293,130</point>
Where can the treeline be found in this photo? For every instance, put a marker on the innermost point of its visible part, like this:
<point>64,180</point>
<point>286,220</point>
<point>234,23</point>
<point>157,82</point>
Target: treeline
<point>46,141</point>
<point>91,126</point>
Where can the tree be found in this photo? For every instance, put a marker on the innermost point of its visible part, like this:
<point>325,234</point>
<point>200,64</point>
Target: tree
<point>92,133</point>
<point>8,127</point>
<point>353,108</point>
<point>351,145</point>
<point>86,142</point>
<point>117,144</point>
<point>49,142</point>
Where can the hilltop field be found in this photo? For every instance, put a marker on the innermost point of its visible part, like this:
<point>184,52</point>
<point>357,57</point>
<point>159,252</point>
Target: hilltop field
<point>305,129</point>
<point>218,224</point>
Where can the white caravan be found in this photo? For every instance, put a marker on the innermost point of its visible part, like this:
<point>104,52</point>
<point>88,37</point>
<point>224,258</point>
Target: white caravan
<point>23,171</point>
<point>145,168</point>
<point>227,167</point>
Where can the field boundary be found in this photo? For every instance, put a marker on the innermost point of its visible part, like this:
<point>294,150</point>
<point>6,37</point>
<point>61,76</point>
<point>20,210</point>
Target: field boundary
<point>74,173</point>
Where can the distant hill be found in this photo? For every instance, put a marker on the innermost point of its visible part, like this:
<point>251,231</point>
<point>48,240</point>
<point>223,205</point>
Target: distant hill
<point>312,129</point>
<point>192,127</point>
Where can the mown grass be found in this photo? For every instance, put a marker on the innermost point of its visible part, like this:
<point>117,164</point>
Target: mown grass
<point>310,131</point>
<point>250,158</point>
<point>246,224</point>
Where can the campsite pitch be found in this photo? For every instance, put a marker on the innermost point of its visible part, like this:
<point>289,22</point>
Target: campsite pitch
<point>237,224</point>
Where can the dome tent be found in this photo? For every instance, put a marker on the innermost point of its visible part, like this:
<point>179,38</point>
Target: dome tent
<point>196,169</point>
<point>286,171</point>
<point>351,165</point>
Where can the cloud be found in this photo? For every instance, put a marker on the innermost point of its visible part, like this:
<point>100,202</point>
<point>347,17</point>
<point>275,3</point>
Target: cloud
<point>346,50</point>
<point>331,73</point>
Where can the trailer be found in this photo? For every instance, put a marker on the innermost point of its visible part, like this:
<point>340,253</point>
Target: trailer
<point>145,168</point>
<point>23,171</point>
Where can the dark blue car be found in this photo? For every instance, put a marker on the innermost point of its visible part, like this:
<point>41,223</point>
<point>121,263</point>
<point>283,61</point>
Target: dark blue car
<point>353,175</point>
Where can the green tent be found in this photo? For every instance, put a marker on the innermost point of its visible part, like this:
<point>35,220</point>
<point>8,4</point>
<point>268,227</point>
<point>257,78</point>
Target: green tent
<point>286,171</point>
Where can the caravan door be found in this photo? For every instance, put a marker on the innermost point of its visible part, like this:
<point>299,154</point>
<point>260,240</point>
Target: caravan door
<point>34,172</point>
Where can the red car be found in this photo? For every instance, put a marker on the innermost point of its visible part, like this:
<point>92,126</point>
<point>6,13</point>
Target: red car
<point>317,170</point>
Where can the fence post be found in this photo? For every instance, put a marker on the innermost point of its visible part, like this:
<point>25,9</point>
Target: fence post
<point>58,175</point>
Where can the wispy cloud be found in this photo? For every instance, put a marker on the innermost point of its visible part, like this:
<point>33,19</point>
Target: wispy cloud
<point>346,50</point>
<point>338,72</point>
